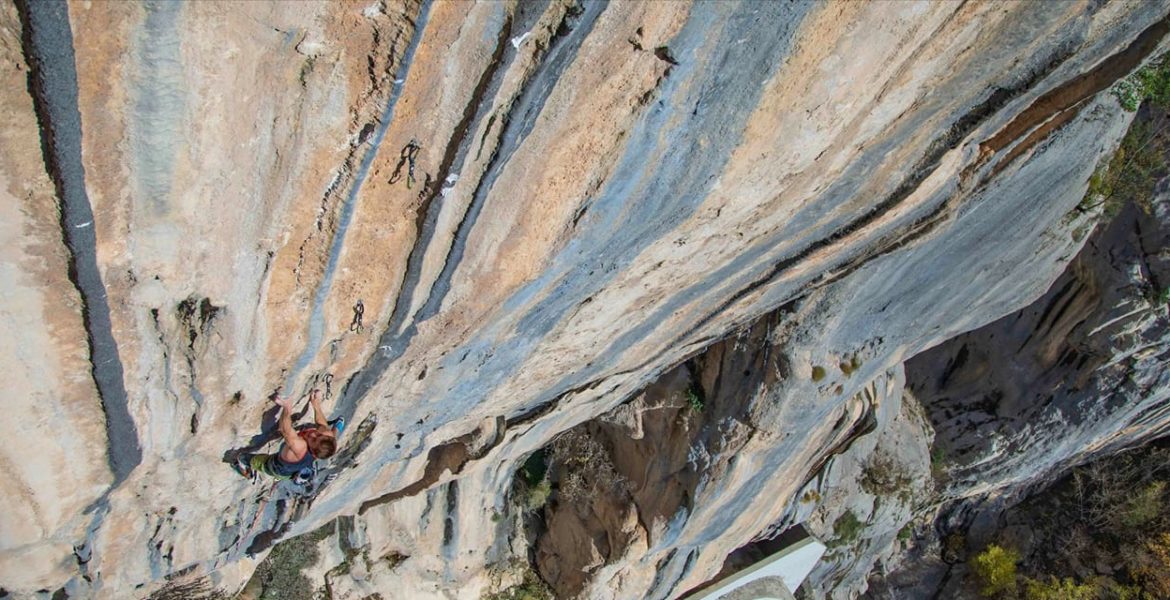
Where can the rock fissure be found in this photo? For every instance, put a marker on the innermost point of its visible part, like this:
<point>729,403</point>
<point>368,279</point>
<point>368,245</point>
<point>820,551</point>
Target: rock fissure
<point>49,51</point>
<point>1084,86</point>
<point>427,213</point>
<point>516,125</point>
<point>316,319</point>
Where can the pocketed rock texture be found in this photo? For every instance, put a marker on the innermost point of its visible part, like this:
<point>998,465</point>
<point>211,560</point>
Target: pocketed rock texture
<point>478,226</point>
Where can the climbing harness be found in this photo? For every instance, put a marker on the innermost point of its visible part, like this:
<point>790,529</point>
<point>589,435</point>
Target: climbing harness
<point>305,476</point>
<point>356,325</point>
<point>408,155</point>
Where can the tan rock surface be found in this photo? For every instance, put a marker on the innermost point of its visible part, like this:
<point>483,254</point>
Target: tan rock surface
<point>600,192</point>
<point>53,461</point>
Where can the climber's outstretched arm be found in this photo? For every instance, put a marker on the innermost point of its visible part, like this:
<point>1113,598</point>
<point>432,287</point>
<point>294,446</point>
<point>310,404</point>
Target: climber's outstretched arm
<point>318,414</point>
<point>291,439</point>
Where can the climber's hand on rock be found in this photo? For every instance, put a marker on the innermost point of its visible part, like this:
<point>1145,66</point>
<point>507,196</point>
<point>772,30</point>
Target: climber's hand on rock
<point>285,403</point>
<point>318,413</point>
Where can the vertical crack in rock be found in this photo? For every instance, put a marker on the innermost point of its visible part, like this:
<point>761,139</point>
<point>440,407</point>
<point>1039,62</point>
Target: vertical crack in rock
<point>1086,85</point>
<point>517,124</point>
<point>428,212</point>
<point>317,317</point>
<point>671,183</point>
<point>670,177</point>
<point>660,569</point>
<point>449,520</point>
<point>168,386</point>
<point>197,316</point>
<point>48,47</point>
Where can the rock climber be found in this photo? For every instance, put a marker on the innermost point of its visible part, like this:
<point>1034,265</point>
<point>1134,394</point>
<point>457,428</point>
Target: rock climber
<point>300,448</point>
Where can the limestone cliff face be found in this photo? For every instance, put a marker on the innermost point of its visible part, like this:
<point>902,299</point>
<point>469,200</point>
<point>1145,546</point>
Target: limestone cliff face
<point>480,225</point>
<point>1076,375</point>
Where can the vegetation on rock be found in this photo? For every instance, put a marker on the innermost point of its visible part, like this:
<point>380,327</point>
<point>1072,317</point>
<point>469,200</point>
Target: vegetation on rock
<point>995,569</point>
<point>1057,589</point>
<point>1133,170</point>
<point>198,589</point>
<point>846,529</point>
<point>1150,83</point>
<point>1103,532</point>
<point>694,399</point>
<point>583,467</point>
<point>849,366</point>
<point>532,485</point>
<point>531,587</point>
<point>883,476</point>
<point>280,574</point>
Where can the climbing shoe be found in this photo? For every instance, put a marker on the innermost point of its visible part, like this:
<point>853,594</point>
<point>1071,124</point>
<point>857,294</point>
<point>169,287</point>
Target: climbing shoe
<point>241,466</point>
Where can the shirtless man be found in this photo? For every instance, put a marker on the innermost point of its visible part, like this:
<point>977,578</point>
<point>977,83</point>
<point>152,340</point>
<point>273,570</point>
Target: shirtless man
<point>300,448</point>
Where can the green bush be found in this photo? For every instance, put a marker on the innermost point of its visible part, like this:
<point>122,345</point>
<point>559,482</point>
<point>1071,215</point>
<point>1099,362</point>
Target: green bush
<point>883,476</point>
<point>280,574</point>
<point>535,468</point>
<point>1057,589</point>
<point>532,485</point>
<point>846,529</point>
<point>1113,511</point>
<point>530,588</point>
<point>536,496</point>
<point>694,399</point>
<point>995,568</point>
<point>939,461</point>
<point>1150,83</point>
<point>1130,174</point>
<point>1143,507</point>
<point>1107,588</point>
<point>1157,298</point>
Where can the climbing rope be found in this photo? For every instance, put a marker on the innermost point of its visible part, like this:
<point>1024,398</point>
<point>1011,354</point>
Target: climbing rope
<point>356,324</point>
<point>406,157</point>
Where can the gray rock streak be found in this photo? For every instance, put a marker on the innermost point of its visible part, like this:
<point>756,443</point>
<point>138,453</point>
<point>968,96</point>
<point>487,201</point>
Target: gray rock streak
<point>49,50</point>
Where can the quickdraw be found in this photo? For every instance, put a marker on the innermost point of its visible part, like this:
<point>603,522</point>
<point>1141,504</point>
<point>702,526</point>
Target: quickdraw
<point>406,157</point>
<point>358,310</point>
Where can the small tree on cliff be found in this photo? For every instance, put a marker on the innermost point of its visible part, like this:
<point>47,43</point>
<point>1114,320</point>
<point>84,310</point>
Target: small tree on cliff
<point>995,568</point>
